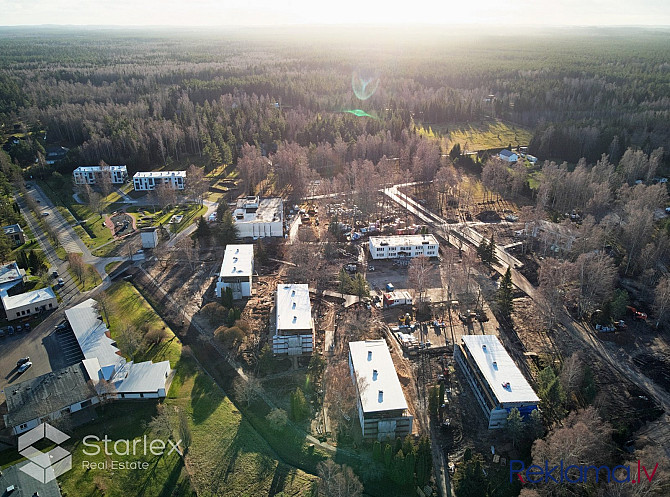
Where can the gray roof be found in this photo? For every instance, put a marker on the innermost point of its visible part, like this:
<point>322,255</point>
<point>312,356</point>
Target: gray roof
<point>11,273</point>
<point>506,153</point>
<point>24,484</point>
<point>12,228</point>
<point>48,393</point>
<point>34,297</point>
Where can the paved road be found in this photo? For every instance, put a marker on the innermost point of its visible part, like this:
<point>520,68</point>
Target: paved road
<point>211,207</point>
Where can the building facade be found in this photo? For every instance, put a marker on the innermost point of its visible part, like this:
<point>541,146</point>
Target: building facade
<point>149,237</point>
<point>382,407</point>
<point>259,218</point>
<point>408,246</point>
<point>496,381</point>
<point>29,303</point>
<point>237,271</point>
<point>15,234</point>
<point>294,332</point>
<point>91,174</point>
<point>147,181</point>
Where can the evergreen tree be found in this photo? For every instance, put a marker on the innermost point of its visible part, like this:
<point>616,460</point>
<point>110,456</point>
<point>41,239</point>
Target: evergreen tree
<point>398,473</point>
<point>377,451</point>
<point>227,298</point>
<point>203,230</point>
<point>22,260</point>
<point>504,296</point>
<point>388,455</point>
<point>514,425</point>
<point>227,231</point>
<point>482,250</point>
<point>491,252</point>
<point>299,406</point>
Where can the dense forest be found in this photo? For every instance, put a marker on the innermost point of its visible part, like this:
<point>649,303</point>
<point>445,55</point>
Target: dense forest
<point>159,98</point>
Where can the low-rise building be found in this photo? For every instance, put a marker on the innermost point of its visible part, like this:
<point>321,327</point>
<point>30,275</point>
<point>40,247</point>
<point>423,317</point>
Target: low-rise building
<point>382,408</point>
<point>397,297</point>
<point>92,174</point>
<point>399,246</point>
<point>20,480</point>
<point>237,270</point>
<point>147,181</point>
<point>11,276</point>
<point>508,155</point>
<point>498,384</point>
<point>48,397</point>
<point>259,218</point>
<point>149,237</point>
<point>55,154</point>
<point>29,303</point>
<point>15,234</point>
<point>294,332</point>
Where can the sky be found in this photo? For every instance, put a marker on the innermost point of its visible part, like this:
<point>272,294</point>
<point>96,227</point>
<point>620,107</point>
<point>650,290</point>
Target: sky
<point>505,14</point>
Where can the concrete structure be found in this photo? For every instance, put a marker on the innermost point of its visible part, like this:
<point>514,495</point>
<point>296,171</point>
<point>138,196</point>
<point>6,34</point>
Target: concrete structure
<point>11,276</point>
<point>91,174</point>
<point>294,332</point>
<point>496,381</point>
<point>237,270</point>
<point>396,246</point>
<point>15,234</point>
<point>29,303</point>
<point>398,297</point>
<point>149,237</point>
<point>146,181</point>
<point>256,218</point>
<point>382,408</point>
<point>48,397</point>
<point>508,155</point>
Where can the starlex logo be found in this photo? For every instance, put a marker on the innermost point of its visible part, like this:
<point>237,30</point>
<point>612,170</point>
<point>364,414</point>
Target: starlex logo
<point>44,466</point>
<point>576,473</point>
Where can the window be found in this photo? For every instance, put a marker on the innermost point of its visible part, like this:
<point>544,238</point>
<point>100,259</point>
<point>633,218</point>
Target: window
<point>50,306</point>
<point>23,426</point>
<point>86,403</point>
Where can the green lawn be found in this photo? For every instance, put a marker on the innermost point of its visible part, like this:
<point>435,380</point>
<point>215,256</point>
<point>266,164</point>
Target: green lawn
<point>482,136</point>
<point>111,267</point>
<point>91,280</point>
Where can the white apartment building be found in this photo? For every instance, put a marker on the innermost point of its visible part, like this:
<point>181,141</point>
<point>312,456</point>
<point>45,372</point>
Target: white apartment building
<point>146,181</point>
<point>294,333</point>
<point>394,246</point>
<point>256,218</point>
<point>91,174</point>
<point>237,270</point>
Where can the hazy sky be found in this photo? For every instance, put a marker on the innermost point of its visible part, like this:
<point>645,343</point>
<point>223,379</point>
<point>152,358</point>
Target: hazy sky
<point>507,14</point>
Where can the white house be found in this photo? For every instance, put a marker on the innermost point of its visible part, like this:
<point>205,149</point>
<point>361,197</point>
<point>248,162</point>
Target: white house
<point>394,246</point>
<point>237,270</point>
<point>294,333</point>
<point>256,218</point>
<point>496,381</point>
<point>382,408</point>
<point>91,174</point>
<point>11,275</point>
<point>145,181</point>
<point>397,297</point>
<point>508,155</point>
<point>29,303</point>
<point>48,397</point>
<point>149,237</point>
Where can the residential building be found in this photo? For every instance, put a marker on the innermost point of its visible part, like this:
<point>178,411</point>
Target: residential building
<point>256,218</point>
<point>397,297</point>
<point>54,154</point>
<point>237,270</point>
<point>146,181</point>
<point>11,276</point>
<point>29,303</point>
<point>508,155</point>
<point>398,246</point>
<point>382,408</point>
<point>149,237</point>
<point>496,381</point>
<point>294,332</point>
<point>48,397</point>
<point>91,174</point>
<point>15,234</point>
<point>18,481</point>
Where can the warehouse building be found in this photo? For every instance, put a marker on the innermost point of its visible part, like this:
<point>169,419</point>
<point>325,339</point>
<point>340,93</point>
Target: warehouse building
<point>237,270</point>
<point>496,381</point>
<point>294,333</point>
<point>382,408</point>
<point>399,246</point>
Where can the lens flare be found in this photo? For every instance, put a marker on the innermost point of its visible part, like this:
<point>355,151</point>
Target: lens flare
<point>359,113</point>
<point>364,83</point>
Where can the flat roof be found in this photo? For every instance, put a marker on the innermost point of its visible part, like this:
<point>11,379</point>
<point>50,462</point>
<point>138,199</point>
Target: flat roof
<point>269,210</point>
<point>28,298</point>
<point>144,377</point>
<point>293,308</point>
<point>159,174</point>
<point>403,240</point>
<point>498,368</point>
<point>93,169</point>
<point>238,260</point>
<point>11,272</point>
<point>93,337</point>
<point>12,228</point>
<point>26,485</point>
<point>47,393</point>
<point>367,357</point>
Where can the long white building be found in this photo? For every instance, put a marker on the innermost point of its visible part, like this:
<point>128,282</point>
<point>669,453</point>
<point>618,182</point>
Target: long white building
<point>294,332</point>
<point>237,270</point>
<point>91,174</point>
<point>382,408</point>
<point>394,246</point>
<point>28,304</point>
<point>146,181</point>
<point>496,381</point>
<point>256,218</point>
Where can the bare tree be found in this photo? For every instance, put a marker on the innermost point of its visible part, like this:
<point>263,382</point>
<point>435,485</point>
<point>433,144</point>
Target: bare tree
<point>419,274</point>
<point>340,398</point>
<point>103,305</point>
<point>338,481</point>
<point>247,390</point>
<point>165,194</point>
<point>104,180</point>
<point>130,340</point>
<point>572,373</point>
<point>196,183</point>
<point>555,278</point>
<point>96,203</point>
<point>77,265</point>
<point>595,276</point>
<point>662,300</point>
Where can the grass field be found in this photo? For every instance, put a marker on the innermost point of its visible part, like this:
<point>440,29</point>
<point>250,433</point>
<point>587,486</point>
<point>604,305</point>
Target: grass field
<point>482,136</point>
<point>91,280</point>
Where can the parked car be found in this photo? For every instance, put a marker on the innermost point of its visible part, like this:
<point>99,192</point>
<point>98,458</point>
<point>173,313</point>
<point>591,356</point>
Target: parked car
<point>371,268</point>
<point>55,274</point>
<point>61,326</point>
<point>10,329</point>
<point>45,214</point>
<point>2,333</point>
<point>19,328</point>
<point>22,361</point>
<point>24,367</point>
<point>26,326</point>
<point>61,282</point>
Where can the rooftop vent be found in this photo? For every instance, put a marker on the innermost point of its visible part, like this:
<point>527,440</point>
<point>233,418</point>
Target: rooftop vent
<point>234,269</point>
<point>237,251</point>
<point>295,319</point>
<point>381,396</point>
<point>374,375</point>
<point>369,355</point>
<point>495,365</point>
<point>505,385</point>
<point>234,259</point>
<point>292,293</point>
<point>484,347</point>
<point>293,306</point>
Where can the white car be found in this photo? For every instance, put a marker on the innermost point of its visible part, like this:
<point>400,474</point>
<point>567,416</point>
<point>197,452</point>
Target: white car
<point>23,367</point>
